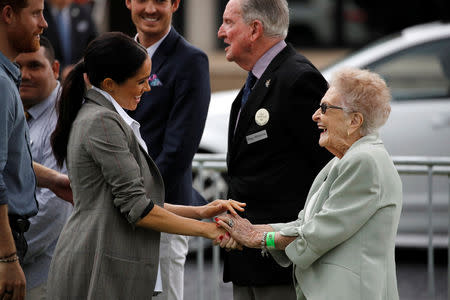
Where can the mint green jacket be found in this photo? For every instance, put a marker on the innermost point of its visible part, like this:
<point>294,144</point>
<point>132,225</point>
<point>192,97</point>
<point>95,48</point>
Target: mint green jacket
<point>346,249</point>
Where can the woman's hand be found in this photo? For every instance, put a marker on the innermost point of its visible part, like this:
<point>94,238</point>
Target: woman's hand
<point>220,237</point>
<point>218,207</point>
<point>227,242</point>
<point>215,233</point>
<point>241,230</point>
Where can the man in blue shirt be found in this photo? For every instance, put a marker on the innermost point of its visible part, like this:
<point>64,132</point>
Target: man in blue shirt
<point>39,92</point>
<point>21,23</point>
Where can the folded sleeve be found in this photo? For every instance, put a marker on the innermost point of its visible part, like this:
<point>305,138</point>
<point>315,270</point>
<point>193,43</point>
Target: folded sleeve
<point>289,229</point>
<point>108,142</point>
<point>285,229</point>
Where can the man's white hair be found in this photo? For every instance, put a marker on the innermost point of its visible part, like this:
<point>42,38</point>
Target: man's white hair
<point>273,14</point>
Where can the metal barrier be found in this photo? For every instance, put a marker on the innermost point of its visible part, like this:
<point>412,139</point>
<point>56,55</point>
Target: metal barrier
<point>406,165</point>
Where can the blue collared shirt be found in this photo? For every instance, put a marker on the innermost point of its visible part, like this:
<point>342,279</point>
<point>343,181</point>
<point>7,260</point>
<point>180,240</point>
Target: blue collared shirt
<point>53,212</point>
<point>264,61</point>
<point>17,179</point>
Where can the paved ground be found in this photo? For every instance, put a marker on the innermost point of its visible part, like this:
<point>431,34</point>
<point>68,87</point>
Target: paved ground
<point>411,277</point>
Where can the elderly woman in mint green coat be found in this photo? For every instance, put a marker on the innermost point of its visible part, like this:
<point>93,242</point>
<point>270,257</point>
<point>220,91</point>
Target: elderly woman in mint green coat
<point>342,244</point>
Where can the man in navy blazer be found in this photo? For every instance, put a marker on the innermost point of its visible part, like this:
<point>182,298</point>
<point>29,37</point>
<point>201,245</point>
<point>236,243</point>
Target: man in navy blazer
<point>172,117</point>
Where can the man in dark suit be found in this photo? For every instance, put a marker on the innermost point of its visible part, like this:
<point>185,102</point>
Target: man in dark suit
<point>70,29</point>
<point>172,117</point>
<point>273,150</point>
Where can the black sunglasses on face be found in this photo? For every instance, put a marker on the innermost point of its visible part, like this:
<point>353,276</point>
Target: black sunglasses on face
<point>324,107</point>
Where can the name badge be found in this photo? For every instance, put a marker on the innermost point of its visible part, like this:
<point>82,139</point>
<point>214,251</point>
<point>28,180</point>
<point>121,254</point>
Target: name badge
<point>260,135</point>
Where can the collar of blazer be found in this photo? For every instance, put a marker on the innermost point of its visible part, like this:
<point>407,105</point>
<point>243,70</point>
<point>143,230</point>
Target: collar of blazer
<point>320,179</point>
<point>99,99</point>
<point>255,100</point>
<point>164,50</point>
<point>325,175</point>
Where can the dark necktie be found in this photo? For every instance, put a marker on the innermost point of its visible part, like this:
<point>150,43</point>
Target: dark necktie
<point>251,79</point>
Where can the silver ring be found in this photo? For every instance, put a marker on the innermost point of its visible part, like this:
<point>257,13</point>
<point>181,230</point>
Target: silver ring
<point>230,223</point>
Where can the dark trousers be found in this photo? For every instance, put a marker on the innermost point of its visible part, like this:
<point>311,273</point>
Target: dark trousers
<point>19,226</point>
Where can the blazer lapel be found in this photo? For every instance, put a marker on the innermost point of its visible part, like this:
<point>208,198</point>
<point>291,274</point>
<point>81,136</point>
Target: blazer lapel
<point>321,179</point>
<point>99,99</point>
<point>164,50</point>
<point>256,98</point>
<point>254,101</point>
<point>235,107</point>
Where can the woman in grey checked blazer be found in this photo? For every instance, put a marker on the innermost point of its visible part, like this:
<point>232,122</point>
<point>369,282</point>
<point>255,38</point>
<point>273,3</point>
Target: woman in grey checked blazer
<point>109,248</point>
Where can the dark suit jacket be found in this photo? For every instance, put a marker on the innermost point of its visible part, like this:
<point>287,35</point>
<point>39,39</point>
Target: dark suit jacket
<point>172,115</point>
<point>273,175</point>
<point>83,31</point>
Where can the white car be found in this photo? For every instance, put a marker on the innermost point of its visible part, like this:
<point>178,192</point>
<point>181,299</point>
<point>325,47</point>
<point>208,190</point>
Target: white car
<point>416,65</point>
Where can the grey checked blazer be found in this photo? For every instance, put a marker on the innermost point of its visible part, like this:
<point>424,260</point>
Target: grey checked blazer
<point>100,253</point>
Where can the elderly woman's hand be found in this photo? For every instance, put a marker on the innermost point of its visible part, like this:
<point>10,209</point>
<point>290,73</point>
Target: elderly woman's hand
<point>241,230</point>
<point>218,207</point>
<point>227,242</point>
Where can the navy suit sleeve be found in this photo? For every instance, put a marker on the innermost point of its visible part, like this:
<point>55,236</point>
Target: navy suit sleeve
<point>186,119</point>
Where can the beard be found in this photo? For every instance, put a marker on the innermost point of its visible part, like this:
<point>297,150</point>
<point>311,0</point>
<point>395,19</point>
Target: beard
<point>21,44</point>
<point>23,40</point>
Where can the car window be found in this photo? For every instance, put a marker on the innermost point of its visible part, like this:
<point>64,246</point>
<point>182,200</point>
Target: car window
<point>419,72</point>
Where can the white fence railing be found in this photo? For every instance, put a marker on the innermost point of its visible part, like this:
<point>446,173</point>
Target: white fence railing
<point>212,165</point>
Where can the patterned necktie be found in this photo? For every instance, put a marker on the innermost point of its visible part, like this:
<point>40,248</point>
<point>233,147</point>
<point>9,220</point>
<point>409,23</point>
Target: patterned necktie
<point>64,37</point>
<point>251,79</point>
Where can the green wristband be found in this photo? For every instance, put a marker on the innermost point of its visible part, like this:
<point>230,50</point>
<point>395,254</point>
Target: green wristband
<point>270,240</point>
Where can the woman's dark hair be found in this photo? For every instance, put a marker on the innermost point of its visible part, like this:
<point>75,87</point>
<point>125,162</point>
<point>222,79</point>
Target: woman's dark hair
<point>112,55</point>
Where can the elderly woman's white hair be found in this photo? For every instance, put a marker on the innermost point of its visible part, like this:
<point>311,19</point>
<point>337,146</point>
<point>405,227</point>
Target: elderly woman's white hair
<point>365,92</point>
<point>273,14</point>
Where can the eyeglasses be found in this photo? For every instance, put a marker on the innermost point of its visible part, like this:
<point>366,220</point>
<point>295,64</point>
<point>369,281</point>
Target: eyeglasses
<point>324,107</point>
